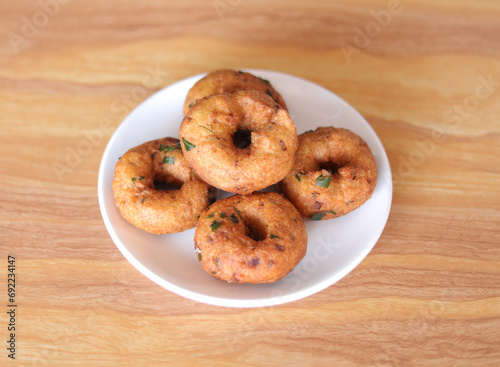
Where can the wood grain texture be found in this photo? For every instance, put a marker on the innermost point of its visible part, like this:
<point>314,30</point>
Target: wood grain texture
<point>426,75</point>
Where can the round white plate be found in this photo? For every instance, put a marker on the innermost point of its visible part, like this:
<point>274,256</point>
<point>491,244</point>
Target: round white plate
<point>335,246</point>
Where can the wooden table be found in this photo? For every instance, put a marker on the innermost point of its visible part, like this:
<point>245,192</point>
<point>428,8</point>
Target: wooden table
<point>425,74</point>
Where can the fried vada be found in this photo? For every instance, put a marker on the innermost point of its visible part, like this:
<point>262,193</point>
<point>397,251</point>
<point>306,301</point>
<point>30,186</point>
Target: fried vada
<point>257,238</point>
<point>156,190</point>
<point>239,141</point>
<point>222,81</point>
<point>334,173</point>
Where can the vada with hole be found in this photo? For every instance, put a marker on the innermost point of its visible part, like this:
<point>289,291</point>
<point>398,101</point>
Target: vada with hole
<point>155,189</point>
<point>334,173</point>
<point>240,141</point>
<point>257,238</point>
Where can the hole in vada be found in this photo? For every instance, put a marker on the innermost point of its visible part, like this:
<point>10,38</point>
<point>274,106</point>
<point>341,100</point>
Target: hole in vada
<point>166,186</point>
<point>255,229</point>
<point>255,234</point>
<point>242,138</point>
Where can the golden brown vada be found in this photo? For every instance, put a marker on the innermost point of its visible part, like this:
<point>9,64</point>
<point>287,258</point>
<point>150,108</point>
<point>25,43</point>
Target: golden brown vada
<point>156,190</point>
<point>240,141</point>
<point>257,238</point>
<point>222,81</point>
<point>334,173</point>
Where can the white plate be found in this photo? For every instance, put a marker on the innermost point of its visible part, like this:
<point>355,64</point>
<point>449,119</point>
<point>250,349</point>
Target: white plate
<point>335,246</point>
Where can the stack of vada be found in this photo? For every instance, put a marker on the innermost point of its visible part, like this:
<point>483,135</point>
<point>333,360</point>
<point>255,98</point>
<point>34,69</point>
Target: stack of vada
<point>237,136</point>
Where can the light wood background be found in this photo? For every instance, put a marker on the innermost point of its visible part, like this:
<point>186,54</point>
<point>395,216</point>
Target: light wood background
<point>425,74</point>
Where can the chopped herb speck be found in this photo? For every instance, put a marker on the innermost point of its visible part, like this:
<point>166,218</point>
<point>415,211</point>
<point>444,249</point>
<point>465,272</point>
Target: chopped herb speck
<point>169,160</point>
<point>320,215</point>
<point>206,128</point>
<point>215,224</point>
<point>239,213</point>
<point>323,181</point>
<point>166,148</point>
<point>187,145</point>
<point>233,218</point>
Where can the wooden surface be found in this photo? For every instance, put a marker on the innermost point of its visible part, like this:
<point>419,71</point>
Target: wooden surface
<point>425,74</point>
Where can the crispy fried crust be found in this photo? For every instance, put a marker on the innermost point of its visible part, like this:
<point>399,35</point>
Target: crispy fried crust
<point>159,211</point>
<point>222,81</point>
<point>334,173</point>
<point>208,130</point>
<point>257,238</point>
